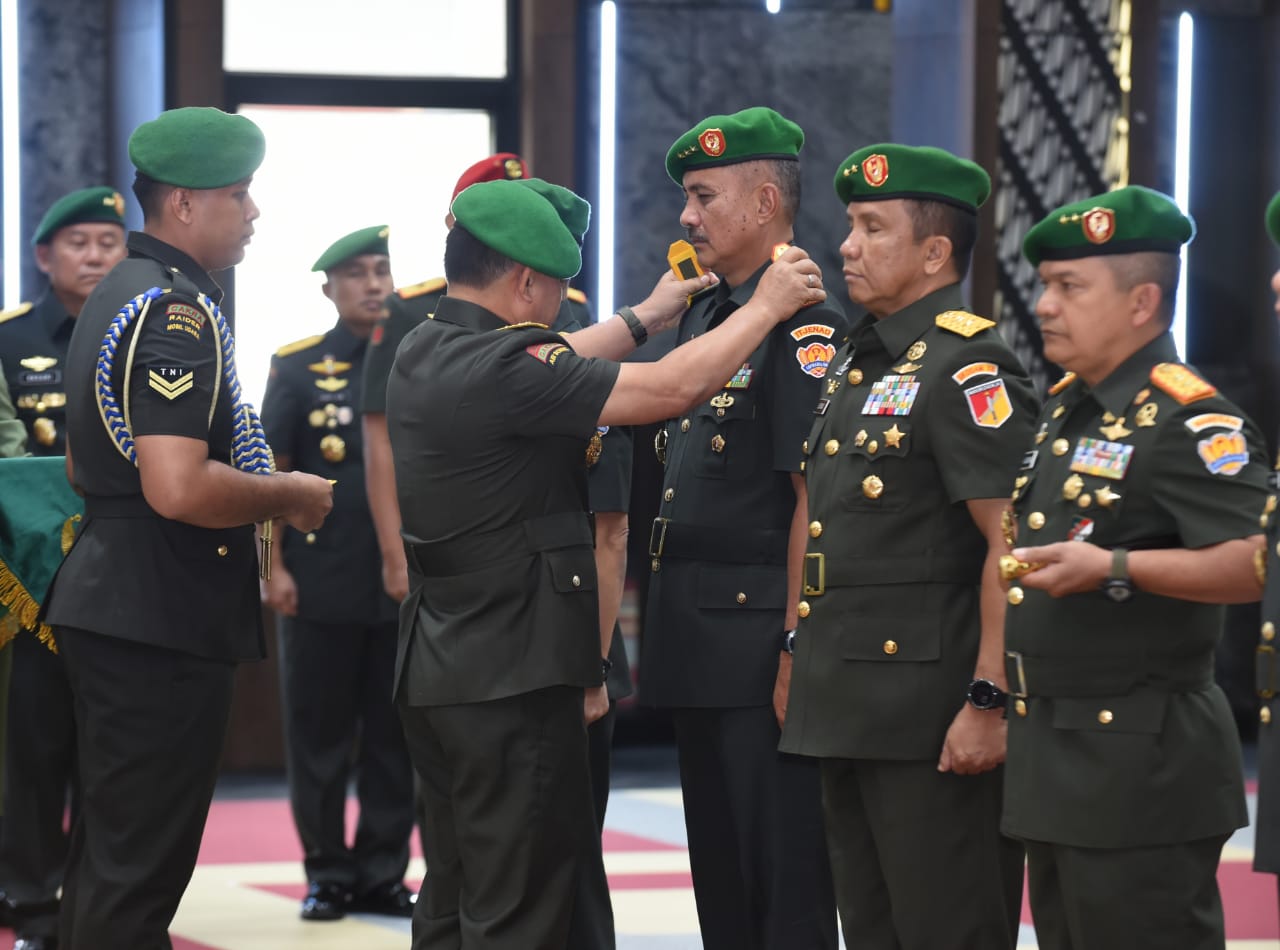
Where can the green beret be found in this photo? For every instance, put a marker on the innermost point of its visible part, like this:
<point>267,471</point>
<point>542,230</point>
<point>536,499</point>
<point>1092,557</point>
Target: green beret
<point>87,204</point>
<point>197,147</point>
<point>1126,221</point>
<point>521,224</point>
<point>746,136</point>
<point>365,241</point>
<point>575,212</point>
<point>1273,218</point>
<point>881,172</point>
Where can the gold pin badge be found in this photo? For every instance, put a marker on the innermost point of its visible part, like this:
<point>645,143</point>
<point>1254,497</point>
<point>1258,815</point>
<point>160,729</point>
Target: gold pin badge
<point>1143,396</point>
<point>333,448</point>
<point>1072,488</point>
<point>832,386</point>
<point>1009,526</point>
<point>860,439</point>
<point>1146,417</point>
<point>1106,497</point>
<point>893,437</point>
<point>873,447</point>
<point>317,418</point>
<point>917,350</point>
<point>905,368</point>
<point>1085,500</point>
<point>44,431</point>
<point>1116,430</point>
<point>1058,411</point>
<point>717,443</point>
<point>594,447</point>
<point>1061,446</point>
<point>854,377</point>
<point>721,403</point>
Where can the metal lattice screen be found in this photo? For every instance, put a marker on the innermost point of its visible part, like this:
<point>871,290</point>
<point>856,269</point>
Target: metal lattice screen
<point>1063,80</point>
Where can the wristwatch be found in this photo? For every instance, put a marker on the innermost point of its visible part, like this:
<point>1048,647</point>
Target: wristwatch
<point>606,666</point>
<point>639,332</point>
<point>789,642</point>
<point>984,694</point>
<point>1118,586</point>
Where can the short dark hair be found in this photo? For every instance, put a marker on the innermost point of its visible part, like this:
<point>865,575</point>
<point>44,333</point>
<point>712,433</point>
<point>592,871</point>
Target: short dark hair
<point>471,263</point>
<point>151,195</point>
<point>1149,267</point>
<point>929,218</point>
<point>786,175</point>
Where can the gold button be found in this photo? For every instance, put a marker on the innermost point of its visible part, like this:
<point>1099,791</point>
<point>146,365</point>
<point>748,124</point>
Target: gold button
<point>1264,520</point>
<point>1271,504</point>
<point>832,447</point>
<point>1020,707</point>
<point>222,550</point>
<point>815,529</point>
<point>1268,631</point>
<point>855,376</point>
<point>668,494</point>
<point>890,647</point>
<point>1060,446</point>
<point>684,425</point>
<point>311,537</point>
<point>1105,716</point>
<point>742,598</point>
<point>804,446</point>
<point>577,581</point>
<point>802,609</point>
<point>872,486</point>
<point>1264,715</point>
<point>1085,500</point>
<point>1014,596</point>
<point>873,447</point>
<point>1058,411</point>
<point>1035,520</point>
<point>654,565</point>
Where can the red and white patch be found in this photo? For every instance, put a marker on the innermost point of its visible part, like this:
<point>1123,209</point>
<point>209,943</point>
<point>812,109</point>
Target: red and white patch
<point>1099,225</point>
<point>712,142</point>
<point>376,336</point>
<point>547,352</point>
<point>875,169</point>
<point>815,358</point>
<point>989,404</point>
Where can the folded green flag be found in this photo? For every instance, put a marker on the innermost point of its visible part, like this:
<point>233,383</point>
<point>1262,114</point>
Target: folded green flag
<point>38,517</point>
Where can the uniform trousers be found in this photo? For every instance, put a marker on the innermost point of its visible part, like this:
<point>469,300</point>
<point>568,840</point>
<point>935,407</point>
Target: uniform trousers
<point>918,857</point>
<point>753,816</point>
<point>1151,898</point>
<point>591,927</point>
<point>509,821</point>
<point>338,720</point>
<point>151,724</point>
<point>38,771</point>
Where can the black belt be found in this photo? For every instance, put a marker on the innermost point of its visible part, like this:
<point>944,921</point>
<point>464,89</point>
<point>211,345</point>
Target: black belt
<point>726,545</point>
<point>1105,676</point>
<point>821,572</point>
<point>473,552</point>
<point>118,506</point>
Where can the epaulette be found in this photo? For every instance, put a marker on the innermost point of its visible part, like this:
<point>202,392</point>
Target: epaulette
<point>1180,382</point>
<point>1062,384</point>
<point>527,323</point>
<point>299,345</point>
<point>962,323</point>
<point>16,311</point>
<point>426,287</point>
<point>576,295</point>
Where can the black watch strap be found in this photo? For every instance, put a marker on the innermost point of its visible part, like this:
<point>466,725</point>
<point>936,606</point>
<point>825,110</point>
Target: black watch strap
<point>638,331</point>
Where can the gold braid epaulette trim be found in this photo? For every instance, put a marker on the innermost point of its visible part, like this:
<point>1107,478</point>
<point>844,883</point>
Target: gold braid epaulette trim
<point>1062,384</point>
<point>962,323</point>
<point>16,311</point>
<point>297,346</point>
<point>528,323</point>
<point>426,287</point>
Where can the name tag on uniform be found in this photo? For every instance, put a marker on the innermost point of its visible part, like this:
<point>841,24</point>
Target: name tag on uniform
<point>822,407</point>
<point>891,396</point>
<point>1101,458</point>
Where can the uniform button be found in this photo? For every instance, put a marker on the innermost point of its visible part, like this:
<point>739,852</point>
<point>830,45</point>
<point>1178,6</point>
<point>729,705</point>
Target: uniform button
<point>311,537</point>
<point>1035,520</point>
<point>855,377</point>
<point>1268,631</point>
<point>1271,504</point>
<point>1014,596</point>
<point>1085,500</point>
<point>1105,716</point>
<point>802,609</point>
<point>668,494</point>
<point>1058,411</point>
<point>872,486</point>
<point>1264,715</point>
<point>804,447</point>
<point>1264,520</point>
<point>1020,707</point>
<point>873,447</point>
<point>832,447</point>
<point>815,529</point>
<point>577,581</point>
<point>222,550</point>
<point>684,425</point>
<point>742,598</point>
<point>890,647</point>
<point>1060,446</point>
<point>654,565</point>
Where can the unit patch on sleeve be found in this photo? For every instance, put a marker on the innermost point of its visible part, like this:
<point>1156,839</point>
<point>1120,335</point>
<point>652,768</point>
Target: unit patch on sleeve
<point>184,318</point>
<point>891,395</point>
<point>812,329</point>
<point>1223,453</point>
<point>989,403</point>
<point>171,381</point>
<point>966,373</point>
<point>815,358</point>
<point>547,352</point>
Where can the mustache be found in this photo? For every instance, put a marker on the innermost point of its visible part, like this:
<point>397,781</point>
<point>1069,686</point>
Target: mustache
<point>695,235</point>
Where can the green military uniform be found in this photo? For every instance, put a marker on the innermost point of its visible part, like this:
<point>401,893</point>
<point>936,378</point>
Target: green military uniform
<point>1124,773</point>
<point>13,434</point>
<point>33,347</point>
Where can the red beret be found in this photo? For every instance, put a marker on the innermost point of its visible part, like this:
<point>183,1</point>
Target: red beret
<point>504,165</point>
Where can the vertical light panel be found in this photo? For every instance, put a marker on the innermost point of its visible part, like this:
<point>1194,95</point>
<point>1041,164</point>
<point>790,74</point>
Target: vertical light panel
<point>1182,167</point>
<point>773,6</point>
<point>10,155</point>
<point>608,137</point>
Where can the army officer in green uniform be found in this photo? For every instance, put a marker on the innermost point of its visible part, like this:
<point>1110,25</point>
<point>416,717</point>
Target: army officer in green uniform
<point>500,634</point>
<point>924,415</point>
<point>337,625</point>
<point>1136,516</point>
<point>78,240</point>
<point>13,435</point>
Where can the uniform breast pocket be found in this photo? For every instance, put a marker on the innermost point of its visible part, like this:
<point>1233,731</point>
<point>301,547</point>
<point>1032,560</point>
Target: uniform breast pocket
<point>572,570</point>
<point>1141,711</point>
<point>725,440</point>
<point>872,460</point>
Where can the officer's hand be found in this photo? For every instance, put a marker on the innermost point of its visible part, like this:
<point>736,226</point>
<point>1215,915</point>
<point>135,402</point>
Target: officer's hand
<point>792,282</point>
<point>668,301</point>
<point>1070,567</point>
<point>975,742</point>
<point>595,703</point>
<point>782,687</point>
<point>395,578</point>
<point>280,593</point>
<point>312,499</point>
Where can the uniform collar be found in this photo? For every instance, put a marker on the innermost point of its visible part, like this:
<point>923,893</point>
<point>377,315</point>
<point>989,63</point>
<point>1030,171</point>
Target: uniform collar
<point>341,342</point>
<point>463,313</point>
<point>899,330</point>
<point>142,244</point>
<point>1115,393</point>
<point>53,315</point>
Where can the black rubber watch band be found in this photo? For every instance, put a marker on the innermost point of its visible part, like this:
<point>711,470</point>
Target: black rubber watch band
<point>638,331</point>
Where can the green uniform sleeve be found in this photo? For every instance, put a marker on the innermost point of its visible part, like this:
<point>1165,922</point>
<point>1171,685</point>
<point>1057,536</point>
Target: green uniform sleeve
<point>13,435</point>
<point>174,378</point>
<point>282,411</point>
<point>558,391</point>
<point>803,349</point>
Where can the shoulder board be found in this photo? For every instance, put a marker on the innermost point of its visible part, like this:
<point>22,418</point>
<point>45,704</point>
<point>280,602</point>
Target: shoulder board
<point>1062,384</point>
<point>16,311</point>
<point>1180,382</point>
<point>962,323</point>
<point>426,287</point>
<point>299,345</point>
<point>526,325</point>
<point>576,295</point>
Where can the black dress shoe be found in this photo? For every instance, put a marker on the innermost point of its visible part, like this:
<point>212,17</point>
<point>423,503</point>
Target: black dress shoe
<point>390,900</point>
<point>36,943</point>
<point>326,902</point>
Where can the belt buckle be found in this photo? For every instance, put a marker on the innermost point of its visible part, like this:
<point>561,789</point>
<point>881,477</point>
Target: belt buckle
<point>811,590</point>
<point>1021,675</point>
<point>658,536</point>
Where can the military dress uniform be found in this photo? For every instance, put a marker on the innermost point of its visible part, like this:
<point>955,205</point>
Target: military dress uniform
<point>13,434</point>
<point>338,652</point>
<point>33,346</point>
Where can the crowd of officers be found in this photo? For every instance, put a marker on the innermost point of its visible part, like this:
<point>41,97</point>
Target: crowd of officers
<point>917,627</point>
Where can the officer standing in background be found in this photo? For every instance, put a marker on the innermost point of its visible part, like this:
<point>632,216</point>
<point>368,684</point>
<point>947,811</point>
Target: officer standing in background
<point>726,552</point>
<point>1136,517</point>
<point>80,238</point>
<point>1266,836</point>
<point>912,450</point>
<point>158,599</point>
<point>13,434</point>
<point>337,625</point>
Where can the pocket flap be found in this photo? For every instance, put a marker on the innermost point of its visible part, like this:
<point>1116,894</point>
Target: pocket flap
<point>892,639</point>
<point>572,569</point>
<point>1140,711</point>
<point>742,586</point>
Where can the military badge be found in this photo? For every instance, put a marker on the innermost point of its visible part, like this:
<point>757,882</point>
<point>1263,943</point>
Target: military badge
<point>815,358</point>
<point>1180,382</point>
<point>596,445</point>
<point>183,318</point>
<point>966,373</point>
<point>840,370</point>
<point>1211,420</point>
<point>331,384</point>
<point>115,202</point>
<point>547,352</point>
<point>741,379</point>
<point>891,396</point>
<point>989,403</point>
<point>333,448</point>
<point>171,381</point>
<point>1081,529</point>
<point>1099,225</point>
<point>513,169</point>
<point>712,142</point>
<point>1224,453</point>
<point>329,366</point>
<point>1101,458</point>
<point>1146,417</point>
<point>875,169</point>
<point>375,338</point>
<point>717,443</point>
<point>893,437</point>
<point>721,402</point>
<point>812,329</point>
<point>38,364</point>
<point>1062,384</point>
<point>44,431</point>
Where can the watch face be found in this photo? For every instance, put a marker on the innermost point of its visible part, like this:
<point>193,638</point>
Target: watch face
<point>1119,591</point>
<point>982,694</point>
